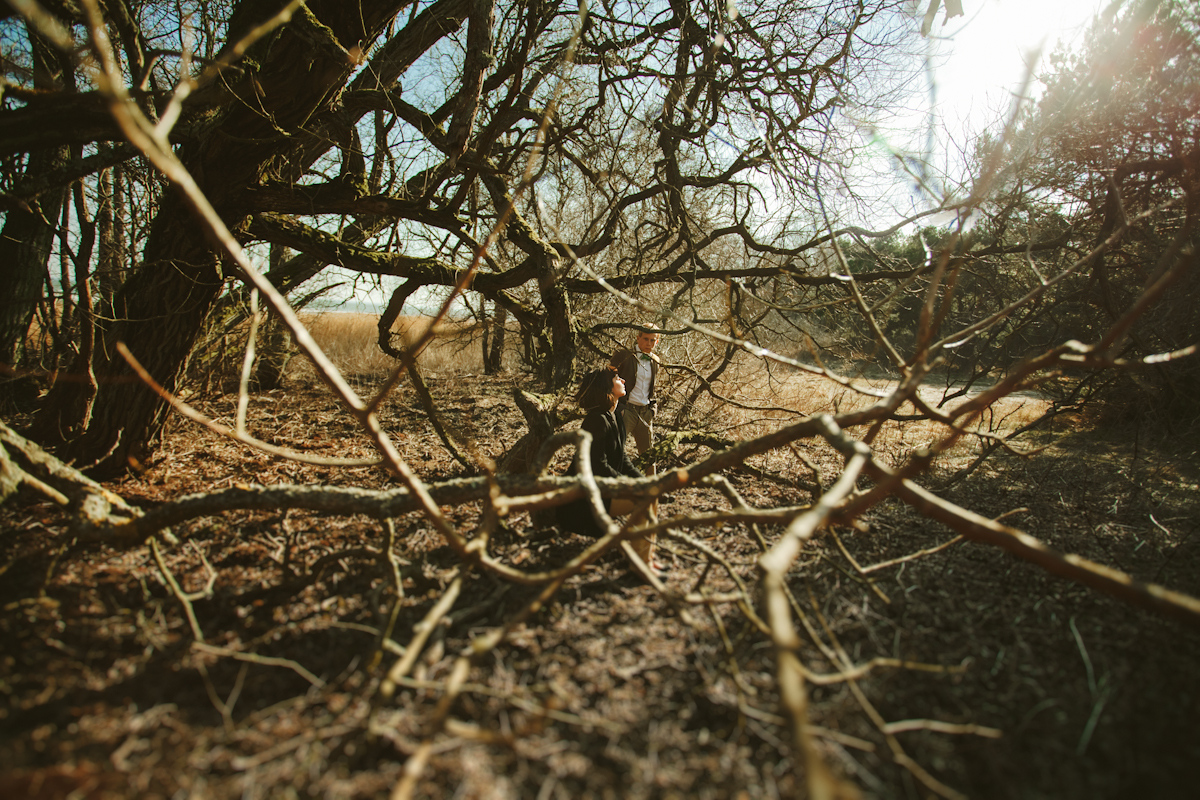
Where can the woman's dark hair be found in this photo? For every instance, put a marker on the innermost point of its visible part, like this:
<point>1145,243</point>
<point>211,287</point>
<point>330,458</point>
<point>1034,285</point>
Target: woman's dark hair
<point>596,388</point>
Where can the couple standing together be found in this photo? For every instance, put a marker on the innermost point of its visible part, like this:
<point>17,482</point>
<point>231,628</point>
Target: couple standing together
<point>618,401</point>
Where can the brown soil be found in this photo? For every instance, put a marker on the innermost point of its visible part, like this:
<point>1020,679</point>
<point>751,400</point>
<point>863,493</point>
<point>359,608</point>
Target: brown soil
<point>605,691</point>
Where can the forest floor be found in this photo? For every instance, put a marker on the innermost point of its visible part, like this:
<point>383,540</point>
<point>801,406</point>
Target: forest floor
<point>1014,683</point>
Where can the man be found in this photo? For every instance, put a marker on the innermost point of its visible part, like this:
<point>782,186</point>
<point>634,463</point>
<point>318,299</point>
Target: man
<point>638,367</point>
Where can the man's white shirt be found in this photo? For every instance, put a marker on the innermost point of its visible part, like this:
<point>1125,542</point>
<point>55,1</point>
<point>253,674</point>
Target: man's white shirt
<point>640,395</point>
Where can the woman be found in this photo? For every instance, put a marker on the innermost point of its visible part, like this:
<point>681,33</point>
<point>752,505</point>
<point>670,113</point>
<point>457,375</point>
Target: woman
<point>598,394</point>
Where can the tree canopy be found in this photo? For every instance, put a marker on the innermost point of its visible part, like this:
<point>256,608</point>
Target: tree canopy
<point>521,150</point>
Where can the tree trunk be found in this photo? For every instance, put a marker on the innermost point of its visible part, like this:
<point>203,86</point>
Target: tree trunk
<point>542,417</point>
<point>493,359</point>
<point>28,235</point>
<point>25,245</point>
<point>161,308</point>
<point>274,346</point>
<point>560,361</point>
<point>111,256</point>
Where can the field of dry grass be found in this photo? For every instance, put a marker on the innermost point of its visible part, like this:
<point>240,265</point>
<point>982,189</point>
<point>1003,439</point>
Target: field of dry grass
<point>750,401</point>
<point>352,342</point>
<point>765,399</point>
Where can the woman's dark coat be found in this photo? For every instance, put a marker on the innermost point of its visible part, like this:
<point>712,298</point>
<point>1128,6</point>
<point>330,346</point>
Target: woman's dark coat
<point>608,460</point>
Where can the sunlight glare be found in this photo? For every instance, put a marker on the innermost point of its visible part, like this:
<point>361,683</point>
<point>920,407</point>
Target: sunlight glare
<point>982,59</point>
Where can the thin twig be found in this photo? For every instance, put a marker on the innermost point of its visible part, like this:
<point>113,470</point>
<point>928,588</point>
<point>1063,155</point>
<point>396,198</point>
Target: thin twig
<point>177,590</point>
<point>255,658</point>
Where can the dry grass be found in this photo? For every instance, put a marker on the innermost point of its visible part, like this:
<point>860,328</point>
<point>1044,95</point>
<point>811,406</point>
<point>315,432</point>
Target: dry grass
<point>773,400</point>
<point>351,341</point>
<point>764,399</point>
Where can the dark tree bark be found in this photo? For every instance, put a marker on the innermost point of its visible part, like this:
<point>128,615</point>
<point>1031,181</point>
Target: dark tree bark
<point>493,357</point>
<point>161,308</point>
<point>28,235</point>
<point>25,246</point>
<point>112,257</point>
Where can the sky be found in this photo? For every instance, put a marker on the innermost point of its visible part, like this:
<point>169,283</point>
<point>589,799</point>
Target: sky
<point>976,66</point>
<point>982,57</point>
